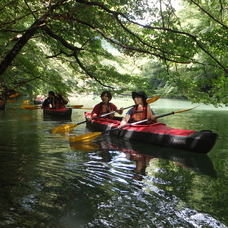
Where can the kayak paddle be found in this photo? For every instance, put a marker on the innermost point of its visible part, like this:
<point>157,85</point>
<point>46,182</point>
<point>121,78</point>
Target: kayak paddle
<point>30,107</point>
<point>91,136</point>
<point>26,102</point>
<point>172,113</point>
<point>71,126</point>
<point>76,106</point>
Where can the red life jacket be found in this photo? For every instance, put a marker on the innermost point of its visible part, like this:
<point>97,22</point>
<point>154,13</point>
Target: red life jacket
<point>103,109</point>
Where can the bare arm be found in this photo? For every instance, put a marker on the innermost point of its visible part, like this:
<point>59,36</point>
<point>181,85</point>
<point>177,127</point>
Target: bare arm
<point>125,120</point>
<point>150,115</point>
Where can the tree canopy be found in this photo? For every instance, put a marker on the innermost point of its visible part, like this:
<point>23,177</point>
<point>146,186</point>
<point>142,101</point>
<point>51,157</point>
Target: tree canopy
<point>78,45</point>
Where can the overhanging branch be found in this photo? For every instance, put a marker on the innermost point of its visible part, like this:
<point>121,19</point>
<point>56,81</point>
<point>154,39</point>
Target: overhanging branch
<point>75,50</point>
<point>211,16</point>
<point>89,73</point>
<point>194,38</point>
<point>8,59</point>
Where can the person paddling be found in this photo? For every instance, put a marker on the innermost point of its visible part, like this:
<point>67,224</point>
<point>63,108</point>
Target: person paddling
<point>49,102</point>
<point>105,106</point>
<point>60,101</point>
<point>140,111</point>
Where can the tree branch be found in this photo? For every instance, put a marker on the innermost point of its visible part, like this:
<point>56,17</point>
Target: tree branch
<point>212,17</point>
<point>127,47</point>
<point>153,28</point>
<point>7,4</point>
<point>198,43</point>
<point>75,50</point>
<point>26,36</point>
<point>61,40</point>
<point>16,19</point>
<point>148,45</point>
<point>89,73</point>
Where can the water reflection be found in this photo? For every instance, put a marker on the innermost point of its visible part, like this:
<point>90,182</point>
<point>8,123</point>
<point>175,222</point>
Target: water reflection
<point>161,185</point>
<point>56,118</point>
<point>142,154</point>
<point>108,183</point>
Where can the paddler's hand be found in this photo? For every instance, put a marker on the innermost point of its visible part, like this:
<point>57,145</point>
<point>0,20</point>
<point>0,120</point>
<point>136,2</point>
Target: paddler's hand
<point>122,123</point>
<point>120,111</point>
<point>89,117</point>
<point>152,119</point>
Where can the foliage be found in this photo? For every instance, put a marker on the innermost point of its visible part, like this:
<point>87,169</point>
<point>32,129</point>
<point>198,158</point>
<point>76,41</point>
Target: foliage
<point>204,79</point>
<point>78,45</point>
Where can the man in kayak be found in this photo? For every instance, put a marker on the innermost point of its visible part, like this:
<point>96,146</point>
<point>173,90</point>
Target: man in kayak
<point>105,106</point>
<point>140,111</point>
<point>49,102</point>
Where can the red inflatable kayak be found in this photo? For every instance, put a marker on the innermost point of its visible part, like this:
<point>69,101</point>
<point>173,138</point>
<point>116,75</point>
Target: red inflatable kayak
<point>159,134</point>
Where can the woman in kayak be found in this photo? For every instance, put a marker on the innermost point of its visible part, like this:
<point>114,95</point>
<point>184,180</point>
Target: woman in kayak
<point>105,106</point>
<point>60,101</point>
<point>140,111</point>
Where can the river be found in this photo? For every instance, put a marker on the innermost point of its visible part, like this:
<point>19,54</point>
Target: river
<point>47,182</point>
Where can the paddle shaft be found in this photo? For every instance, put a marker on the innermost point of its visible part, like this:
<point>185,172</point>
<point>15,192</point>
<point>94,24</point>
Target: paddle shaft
<point>106,114</point>
<point>138,122</point>
<point>126,125</point>
<point>167,114</point>
<point>151,100</point>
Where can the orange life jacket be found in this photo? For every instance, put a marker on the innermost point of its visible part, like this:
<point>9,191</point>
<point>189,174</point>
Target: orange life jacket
<point>138,115</point>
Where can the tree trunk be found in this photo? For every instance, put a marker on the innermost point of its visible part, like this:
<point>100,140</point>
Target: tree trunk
<point>6,62</point>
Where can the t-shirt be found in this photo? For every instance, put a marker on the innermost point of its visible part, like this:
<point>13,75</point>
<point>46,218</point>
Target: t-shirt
<point>98,108</point>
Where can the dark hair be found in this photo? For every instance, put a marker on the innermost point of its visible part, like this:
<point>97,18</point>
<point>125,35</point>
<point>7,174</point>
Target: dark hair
<point>51,93</point>
<point>59,96</point>
<point>141,94</point>
<point>109,95</point>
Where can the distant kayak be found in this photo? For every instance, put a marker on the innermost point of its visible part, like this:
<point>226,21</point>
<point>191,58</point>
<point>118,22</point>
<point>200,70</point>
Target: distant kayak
<point>59,112</point>
<point>38,101</point>
<point>14,95</point>
<point>159,134</point>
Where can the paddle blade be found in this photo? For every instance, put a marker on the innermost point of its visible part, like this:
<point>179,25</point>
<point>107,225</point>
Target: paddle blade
<point>64,128</point>
<point>76,106</point>
<point>86,137</point>
<point>26,101</point>
<point>185,110</point>
<point>11,101</point>
<point>153,99</point>
<point>30,107</point>
<point>85,147</point>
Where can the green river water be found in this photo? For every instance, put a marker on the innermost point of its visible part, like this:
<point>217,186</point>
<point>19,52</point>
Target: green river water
<point>47,182</point>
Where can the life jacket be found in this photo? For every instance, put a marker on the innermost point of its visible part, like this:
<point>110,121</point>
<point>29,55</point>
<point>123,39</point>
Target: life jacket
<point>138,115</point>
<point>60,103</point>
<point>47,102</point>
<point>103,109</point>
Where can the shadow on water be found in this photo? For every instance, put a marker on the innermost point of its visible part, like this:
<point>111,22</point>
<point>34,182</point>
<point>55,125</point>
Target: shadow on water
<point>142,153</point>
<point>56,118</point>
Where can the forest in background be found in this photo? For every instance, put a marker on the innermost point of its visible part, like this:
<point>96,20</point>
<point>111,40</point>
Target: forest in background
<point>75,46</point>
